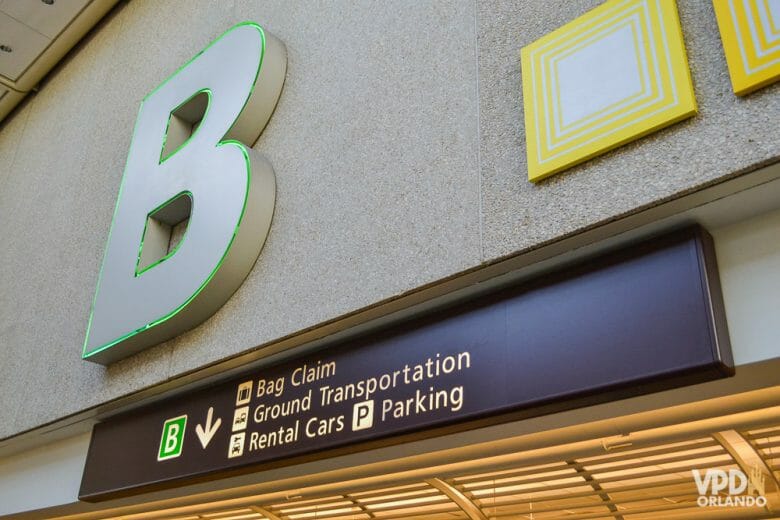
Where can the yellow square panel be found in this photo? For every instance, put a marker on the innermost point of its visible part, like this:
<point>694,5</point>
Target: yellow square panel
<point>611,76</point>
<point>750,30</point>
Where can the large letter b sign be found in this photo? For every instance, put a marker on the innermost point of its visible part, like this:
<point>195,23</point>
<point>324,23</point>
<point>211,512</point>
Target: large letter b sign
<point>195,203</point>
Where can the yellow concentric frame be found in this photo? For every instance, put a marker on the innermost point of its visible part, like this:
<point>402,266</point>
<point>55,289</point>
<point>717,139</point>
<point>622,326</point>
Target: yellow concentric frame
<point>667,96</point>
<point>753,57</point>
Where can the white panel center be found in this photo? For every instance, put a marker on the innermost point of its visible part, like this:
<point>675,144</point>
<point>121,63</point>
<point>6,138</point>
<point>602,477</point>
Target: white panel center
<point>599,75</point>
<point>773,29</point>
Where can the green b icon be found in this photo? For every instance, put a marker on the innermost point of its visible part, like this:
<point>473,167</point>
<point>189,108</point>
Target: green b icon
<point>172,439</point>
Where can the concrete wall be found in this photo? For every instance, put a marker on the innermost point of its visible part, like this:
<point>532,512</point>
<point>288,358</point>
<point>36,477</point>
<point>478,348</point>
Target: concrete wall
<point>398,145</point>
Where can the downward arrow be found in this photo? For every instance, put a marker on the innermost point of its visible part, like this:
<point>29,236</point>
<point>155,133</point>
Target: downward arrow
<point>206,434</point>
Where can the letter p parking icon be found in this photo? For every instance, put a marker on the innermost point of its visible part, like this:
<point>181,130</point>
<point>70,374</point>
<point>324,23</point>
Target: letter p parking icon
<point>363,415</point>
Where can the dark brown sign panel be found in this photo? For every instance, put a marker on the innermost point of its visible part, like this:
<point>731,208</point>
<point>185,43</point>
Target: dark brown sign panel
<point>636,321</point>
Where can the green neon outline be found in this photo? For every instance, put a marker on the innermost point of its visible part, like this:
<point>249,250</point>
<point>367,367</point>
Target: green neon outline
<point>229,142</point>
<point>208,93</point>
<point>146,224</point>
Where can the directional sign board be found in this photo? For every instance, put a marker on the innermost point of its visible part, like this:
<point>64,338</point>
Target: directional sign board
<point>632,322</point>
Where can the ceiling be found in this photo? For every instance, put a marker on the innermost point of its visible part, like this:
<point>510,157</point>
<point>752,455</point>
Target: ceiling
<point>648,474</point>
<point>34,36</point>
<point>652,482</point>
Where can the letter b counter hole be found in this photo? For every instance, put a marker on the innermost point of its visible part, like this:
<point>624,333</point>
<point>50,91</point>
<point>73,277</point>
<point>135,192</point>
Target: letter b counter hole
<point>183,122</point>
<point>166,225</point>
<point>165,229</point>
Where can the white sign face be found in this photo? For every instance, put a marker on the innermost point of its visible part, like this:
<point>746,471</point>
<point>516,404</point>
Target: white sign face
<point>190,167</point>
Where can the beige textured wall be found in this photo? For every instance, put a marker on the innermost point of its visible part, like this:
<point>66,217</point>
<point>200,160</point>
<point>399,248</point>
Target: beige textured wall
<point>398,146</point>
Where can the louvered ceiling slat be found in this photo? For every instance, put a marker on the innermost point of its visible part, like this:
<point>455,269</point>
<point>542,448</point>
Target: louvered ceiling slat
<point>650,482</point>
